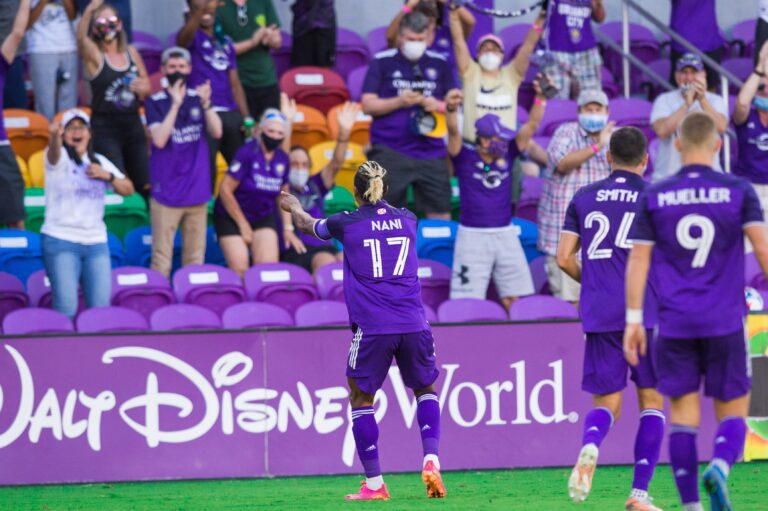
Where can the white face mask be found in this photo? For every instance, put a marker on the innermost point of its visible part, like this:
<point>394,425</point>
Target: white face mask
<point>413,50</point>
<point>489,61</point>
<point>298,177</point>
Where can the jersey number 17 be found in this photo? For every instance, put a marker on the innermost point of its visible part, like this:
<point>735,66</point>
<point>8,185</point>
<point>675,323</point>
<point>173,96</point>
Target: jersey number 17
<point>378,265</point>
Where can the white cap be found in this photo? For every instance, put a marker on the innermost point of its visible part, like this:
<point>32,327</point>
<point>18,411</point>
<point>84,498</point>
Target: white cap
<point>75,113</point>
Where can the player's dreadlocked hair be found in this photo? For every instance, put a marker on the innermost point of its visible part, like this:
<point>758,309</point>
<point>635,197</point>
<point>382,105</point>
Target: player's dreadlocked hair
<point>369,180</point>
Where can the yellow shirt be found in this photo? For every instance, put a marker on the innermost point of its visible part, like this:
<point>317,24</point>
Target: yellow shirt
<point>484,95</point>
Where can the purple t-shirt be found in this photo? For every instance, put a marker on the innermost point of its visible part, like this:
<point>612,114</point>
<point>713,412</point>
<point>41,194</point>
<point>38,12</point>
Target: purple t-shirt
<point>3,75</point>
<point>753,149</point>
<point>695,219</point>
<point>601,215</point>
<point>570,26</point>
<point>388,74</point>
<point>381,282</point>
<point>696,21</point>
<point>212,60</point>
<point>485,190</point>
<point>260,181</point>
<point>180,172</point>
<point>312,199</point>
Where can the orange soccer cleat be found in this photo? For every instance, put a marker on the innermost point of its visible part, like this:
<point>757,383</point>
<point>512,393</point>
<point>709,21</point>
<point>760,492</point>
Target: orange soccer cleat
<point>430,474</point>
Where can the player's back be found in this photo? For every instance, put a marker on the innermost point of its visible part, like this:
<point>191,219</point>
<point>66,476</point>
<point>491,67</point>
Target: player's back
<point>695,219</point>
<point>381,283</point>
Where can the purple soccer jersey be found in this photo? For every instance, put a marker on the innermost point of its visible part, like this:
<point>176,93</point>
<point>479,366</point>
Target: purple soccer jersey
<point>180,172</point>
<point>389,73</point>
<point>312,199</point>
<point>696,219</point>
<point>3,75</point>
<point>753,149</point>
<point>212,60</point>
<point>570,26</point>
<point>381,282</point>
<point>601,214</point>
<point>260,181</point>
<point>696,21</point>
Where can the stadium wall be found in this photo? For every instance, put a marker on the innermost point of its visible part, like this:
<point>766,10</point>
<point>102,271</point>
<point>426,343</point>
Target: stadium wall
<point>273,403</point>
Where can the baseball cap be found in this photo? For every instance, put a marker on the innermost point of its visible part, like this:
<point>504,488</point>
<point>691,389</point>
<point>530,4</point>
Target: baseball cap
<point>175,51</point>
<point>593,96</point>
<point>689,60</point>
<point>490,125</point>
<point>75,113</point>
<point>490,37</point>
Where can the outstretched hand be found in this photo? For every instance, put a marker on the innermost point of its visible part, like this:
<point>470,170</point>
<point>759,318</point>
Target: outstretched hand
<point>288,202</point>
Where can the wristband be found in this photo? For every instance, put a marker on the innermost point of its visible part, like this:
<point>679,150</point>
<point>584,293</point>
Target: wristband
<point>111,178</point>
<point>634,316</point>
<point>540,102</point>
<point>407,9</point>
<point>537,28</point>
<point>441,107</point>
<point>595,149</point>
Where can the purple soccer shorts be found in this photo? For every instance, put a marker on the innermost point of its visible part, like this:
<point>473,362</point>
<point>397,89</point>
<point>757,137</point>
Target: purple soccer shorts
<point>605,368</point>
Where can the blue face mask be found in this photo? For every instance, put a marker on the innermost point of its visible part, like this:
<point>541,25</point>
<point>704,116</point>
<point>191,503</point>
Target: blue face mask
<point>593,123</point>
<point>761,103</point>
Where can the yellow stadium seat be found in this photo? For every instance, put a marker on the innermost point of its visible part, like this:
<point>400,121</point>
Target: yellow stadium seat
<point>361,130</point>
<point>37,170</point>
<point>321,155</point>
<point>27,131</point>
<point>24,171</point>
<point>221,171</point>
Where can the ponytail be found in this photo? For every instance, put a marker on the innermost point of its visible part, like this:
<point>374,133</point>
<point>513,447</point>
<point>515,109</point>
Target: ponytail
<point>369,181</point>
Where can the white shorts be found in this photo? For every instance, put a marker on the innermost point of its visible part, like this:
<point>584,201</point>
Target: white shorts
<point>482,253</point>
<point>561,285</point>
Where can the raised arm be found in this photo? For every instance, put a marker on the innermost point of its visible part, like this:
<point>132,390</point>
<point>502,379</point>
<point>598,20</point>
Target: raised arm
<point>187,33</point>
<point>467,21</point>
<point>394,25</point>
<point>637,276</point>
<point>54,143</point>
<point>346,117</point>
<point>12,42</point>
<point>526,132</point>
<point>598,11</point>
<point>522,58</point>
<point>452,101</point>
<point>460,48</point>
<point>88,50</point>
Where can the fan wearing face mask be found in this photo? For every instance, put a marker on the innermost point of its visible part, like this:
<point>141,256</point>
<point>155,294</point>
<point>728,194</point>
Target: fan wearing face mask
<point>490,87</point>
<point>577,156</point>
<point>487,244</point>
<point>311,191</point>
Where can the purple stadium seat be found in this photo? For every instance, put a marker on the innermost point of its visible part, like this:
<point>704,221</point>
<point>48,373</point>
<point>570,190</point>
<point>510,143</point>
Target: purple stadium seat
<point>141,289</point>
<point>255,315</point>
<point>183,316</point>
<point>12,295</point>
<point>34,320</point>
<point>662,67</point>
<point>435,282</point>
<point>467,310</point>
<point>283,284</point>
<point>751,267</point>
<point>633,112</point>
<point>642,44</point>
<point>528,204</point>
<point>210,286</point>
<point>611,88</point>
<point>351,51</point>
<point>322,313</point>
<point>355,80</point>
<point>111,319</point>
<point>282,55</point>
<point>429,312</point>
<point>743,37</point>
<point>513,37</point>
<point>558,111</point>
<point>538,269</point>
<point>741,67</point>
<point>376,40</point>
<point>330,281</point>
<point>39,291</point>
<point>150,48</point>
<point>537,307</point>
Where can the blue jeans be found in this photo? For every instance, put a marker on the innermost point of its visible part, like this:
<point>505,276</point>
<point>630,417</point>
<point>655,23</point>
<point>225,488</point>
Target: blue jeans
<point>68,264</point>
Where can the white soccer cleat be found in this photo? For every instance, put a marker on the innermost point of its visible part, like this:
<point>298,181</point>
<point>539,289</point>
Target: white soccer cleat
<point>580,481</point>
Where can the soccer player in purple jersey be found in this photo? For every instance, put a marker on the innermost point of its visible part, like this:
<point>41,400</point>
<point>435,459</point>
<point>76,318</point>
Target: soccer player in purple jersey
<point>383,294</point>
<point>692,225</point>
<point>597,225</point>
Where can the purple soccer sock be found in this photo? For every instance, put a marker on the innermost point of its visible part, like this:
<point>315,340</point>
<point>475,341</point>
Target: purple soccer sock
<point>596,425</point>
<point>682,455</point>
<point>729,440</point>
<point>650,433</point>
<point>428,416</point>
<point>366,433</point>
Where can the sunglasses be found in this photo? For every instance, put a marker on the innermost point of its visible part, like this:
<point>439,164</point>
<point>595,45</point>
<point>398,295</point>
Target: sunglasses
<point>110,22</point>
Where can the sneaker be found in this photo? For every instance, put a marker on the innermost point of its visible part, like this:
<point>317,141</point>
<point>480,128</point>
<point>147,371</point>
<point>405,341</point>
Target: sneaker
<point>636,504</point>
<point>431,477</point>
<point>580,481</point>
<point>367,494</point>
<point>716,485</point>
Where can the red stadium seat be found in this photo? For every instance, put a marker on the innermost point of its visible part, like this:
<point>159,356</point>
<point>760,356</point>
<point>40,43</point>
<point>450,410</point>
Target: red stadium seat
<point>315,86</point>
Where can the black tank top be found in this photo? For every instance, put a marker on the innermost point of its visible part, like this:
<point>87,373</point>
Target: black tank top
<point>111,89</point>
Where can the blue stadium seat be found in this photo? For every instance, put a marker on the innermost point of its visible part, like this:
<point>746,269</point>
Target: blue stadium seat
<point>528,232</point>
<point>138,248</point>
<point>435,240</point>
<point>116,252</point>
<point>20,253</point>
<point>213,253</point>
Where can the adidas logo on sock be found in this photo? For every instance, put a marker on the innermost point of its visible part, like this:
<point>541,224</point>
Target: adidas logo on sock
<point>371,448</point>
<point>720,440</point>
<point>643,461</point>
<point>681,472</point>
<point>426,427</point>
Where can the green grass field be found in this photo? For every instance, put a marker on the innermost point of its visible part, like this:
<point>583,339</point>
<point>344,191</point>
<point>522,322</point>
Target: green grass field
<point>530,490</point>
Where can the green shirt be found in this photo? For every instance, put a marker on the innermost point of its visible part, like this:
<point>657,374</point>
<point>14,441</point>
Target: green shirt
<point>255,67</point>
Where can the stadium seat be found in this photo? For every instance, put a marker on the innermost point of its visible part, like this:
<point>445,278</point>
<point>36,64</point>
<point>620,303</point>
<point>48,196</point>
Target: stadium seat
<point>339,199</point>
<point>36,169</point>
<point>662,67</point>
<point>138,248</point>
<point>122,214</point>
<point>528,204</point>
<point>330,281</point>
<point>743,37</point>
<point>34,206</point>
<point>150,48</point>
<point>309,127</point>
<point>116,251</point>
<point>156,82</point>
<point>538,269</point>
<point>538,307</point>
<point>528,232</point>
<point>355,157</point>
<point>429,313</point>
<point>351,51</point>
<point>609,84</point>
<point>322,313</point>
<point>283,284</point>
<point>141,289</point>
<point>255,315</point>
<point>214,287</point>
<point>355,82</point>
<point>183,316</point>
<point>633,112</point>
<point>512,36</point>
<point>741,67</point>
<point>435,281</point>
<point>361,130</point>
<point>469,310</point>
<point>24,169</point>
<point>642,44</point>
<point>435,240</point>
<point>33,320</point>
<point>376,40</point>
<point>317,87</point>
<point>558,112</point>
<point>282,55</point>
<point>20,253</point>
<point>110,319</point>
<point>12,295</point>
<point>28,131</point>
<point>39,292</point>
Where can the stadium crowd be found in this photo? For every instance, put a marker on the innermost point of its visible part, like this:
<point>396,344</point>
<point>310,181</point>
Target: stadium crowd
<point>514,126</point>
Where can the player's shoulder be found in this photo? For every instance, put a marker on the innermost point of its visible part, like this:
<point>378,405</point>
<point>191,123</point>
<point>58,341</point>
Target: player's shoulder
<point>385,54</point>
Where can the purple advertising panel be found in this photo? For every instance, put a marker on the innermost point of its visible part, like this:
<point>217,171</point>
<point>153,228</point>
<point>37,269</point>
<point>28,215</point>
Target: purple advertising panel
<point>249,404</point>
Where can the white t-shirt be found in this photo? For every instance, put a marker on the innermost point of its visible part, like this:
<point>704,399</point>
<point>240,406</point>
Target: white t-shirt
<point>74,203</point>
<point>52,32</point>
<point>668,160</point>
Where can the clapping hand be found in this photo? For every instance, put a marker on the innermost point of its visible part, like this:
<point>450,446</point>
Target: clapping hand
<point>178,92</point>
<point>204,93</point>
<point>409,98</point>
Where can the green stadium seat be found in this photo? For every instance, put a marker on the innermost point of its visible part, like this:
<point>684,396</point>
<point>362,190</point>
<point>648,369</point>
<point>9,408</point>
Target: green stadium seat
<point>122,214</point>
<point>34,205</point>
<point>339,199</point>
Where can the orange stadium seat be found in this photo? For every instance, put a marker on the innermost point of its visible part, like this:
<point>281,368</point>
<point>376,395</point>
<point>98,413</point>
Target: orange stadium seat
<point>315,86</point>
<point>27,131</point>
<point>309,127</point>
<point>361,130</point>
